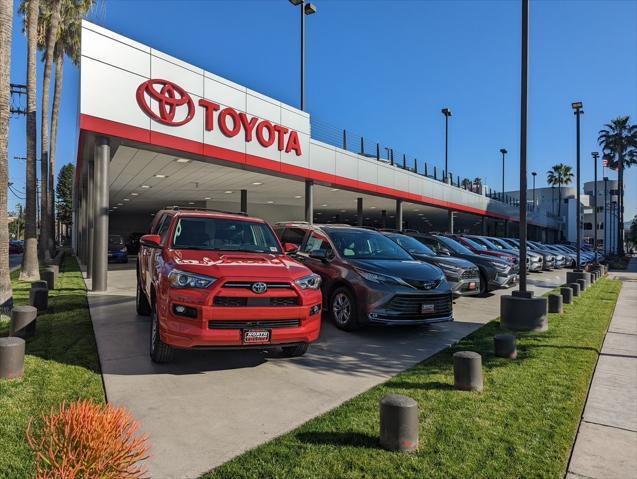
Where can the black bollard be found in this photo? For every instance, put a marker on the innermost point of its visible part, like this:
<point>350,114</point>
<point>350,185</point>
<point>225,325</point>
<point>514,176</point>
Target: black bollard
<point>23,320</point>
<point>504,346</point>
<point>467,371</point>
<point>48,275</point>
<point>398,423</point>
<point>555,303</point>
<point>576,289</point>
<point>582,284</point>
<point>567,295</point>
<point>39,297</point>
<point>11,357</point>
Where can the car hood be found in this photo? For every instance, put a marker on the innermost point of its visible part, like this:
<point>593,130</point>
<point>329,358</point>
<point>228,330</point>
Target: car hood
<point>457,262</point>
<point>406,269</point>
<point>238,264</point>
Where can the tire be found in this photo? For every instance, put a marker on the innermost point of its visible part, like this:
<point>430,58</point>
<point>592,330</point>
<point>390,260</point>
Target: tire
<point>295,351</point>
<point>343,309</point>
<point>141,302</point>
<point>484,285</point>
<point>160,352</point>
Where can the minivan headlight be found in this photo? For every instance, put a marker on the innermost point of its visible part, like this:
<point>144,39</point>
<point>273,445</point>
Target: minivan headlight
<point>450,269</point>
<point>182,279</point>
<point>382,278</point>
<point>501,267</point>
<point>312,281</point>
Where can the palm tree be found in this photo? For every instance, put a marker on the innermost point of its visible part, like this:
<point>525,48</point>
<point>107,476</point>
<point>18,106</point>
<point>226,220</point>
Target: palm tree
<point>6,31</point>
<point>559,175</point>
<point>618,140</point>
<point>30,268</point>
<point>67,43</point>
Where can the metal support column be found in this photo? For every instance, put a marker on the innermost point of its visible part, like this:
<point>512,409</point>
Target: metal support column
<point>484,226</point>
<point>383,219</point>
<point>309,201</point>
<point>90,227</point>
<point>100,214</point>
<point>451,221</point>
<point>359,211</point>
<point>244,201</point>
<point>399,215</point>
<point>506,228</point>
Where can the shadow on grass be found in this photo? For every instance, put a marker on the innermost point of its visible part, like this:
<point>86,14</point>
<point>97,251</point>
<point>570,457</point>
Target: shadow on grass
<point>432,385</point>
<point>350,439</point>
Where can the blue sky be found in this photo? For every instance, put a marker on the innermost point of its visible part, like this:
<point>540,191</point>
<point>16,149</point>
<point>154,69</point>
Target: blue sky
<point>385,68</point>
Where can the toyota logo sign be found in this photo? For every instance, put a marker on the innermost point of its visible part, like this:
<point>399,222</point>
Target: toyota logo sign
<point>259,287</point>
<point>174,105</point>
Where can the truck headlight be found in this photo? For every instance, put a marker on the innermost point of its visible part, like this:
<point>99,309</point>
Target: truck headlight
<point>182,279</point>
<point>312,281</point>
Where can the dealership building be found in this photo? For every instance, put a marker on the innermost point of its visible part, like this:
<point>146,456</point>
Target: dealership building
<point>156,131</point>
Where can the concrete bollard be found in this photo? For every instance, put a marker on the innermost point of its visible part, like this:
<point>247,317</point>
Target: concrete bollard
<point>504,346</point>
<point>11,357</point>
<point>398,423</point>
<point>39,297</point>
<point>576,289</point>
<point>555,303</point>
<point>582,284</point>
<point>567,295</point>
<point>23,321</point>
<point>49,276</point>
<point>467,371</point>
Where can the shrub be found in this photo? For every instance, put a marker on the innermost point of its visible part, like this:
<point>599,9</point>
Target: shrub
<point>85,440</point>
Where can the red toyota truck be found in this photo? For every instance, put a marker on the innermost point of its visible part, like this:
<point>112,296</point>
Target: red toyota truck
<point>211,279</point>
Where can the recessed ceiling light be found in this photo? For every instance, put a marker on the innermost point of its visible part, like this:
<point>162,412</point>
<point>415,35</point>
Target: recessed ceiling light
<point>114,207</point>
<point>343,211</point>
<point>298,197</point>
<point>372,207</point>
<point>319,213</point>
<point>323,206</point>
<point>270,202</point>
<point>182,160</point>
<point>120,204</point>
<point>421,214</point>
<point>207,198</point>
<point>191,202</point>
<point>145,186</point>
<point>160,176</point>
<point>134,194</point>
<point>126,199</point>
<point>257,183</point>
<point>227,192</point>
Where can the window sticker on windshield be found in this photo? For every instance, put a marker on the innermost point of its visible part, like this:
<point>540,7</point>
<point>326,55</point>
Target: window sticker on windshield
<point>273,248</point>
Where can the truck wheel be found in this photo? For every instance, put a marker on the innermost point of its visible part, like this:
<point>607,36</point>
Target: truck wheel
<point>160,352</point>
<point>343,309</point>
<point>294,351</point>
<point>141,302</point>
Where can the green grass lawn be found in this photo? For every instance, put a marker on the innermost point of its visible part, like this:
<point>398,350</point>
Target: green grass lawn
<point>522,425</point>
<point>61,365</point>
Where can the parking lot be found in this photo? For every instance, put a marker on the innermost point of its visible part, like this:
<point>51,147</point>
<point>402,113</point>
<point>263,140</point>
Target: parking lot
<point>209,406</point>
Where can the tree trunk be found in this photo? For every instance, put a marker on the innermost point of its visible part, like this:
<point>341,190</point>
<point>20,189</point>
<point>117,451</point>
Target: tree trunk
<point>55,116</point>
<point>6,27</point>
<point>46,242</point>
<point>30,268</point>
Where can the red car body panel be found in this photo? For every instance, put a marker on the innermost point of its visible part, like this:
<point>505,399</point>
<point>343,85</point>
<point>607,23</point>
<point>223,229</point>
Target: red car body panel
<point>216,307</point>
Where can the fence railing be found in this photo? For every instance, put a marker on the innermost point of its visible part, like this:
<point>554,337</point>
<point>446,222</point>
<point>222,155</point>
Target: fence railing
<point>356,143</point>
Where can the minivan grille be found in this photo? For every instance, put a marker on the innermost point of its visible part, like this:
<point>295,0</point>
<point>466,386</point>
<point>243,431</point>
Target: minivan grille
<point>265,323</point>
<point>411,305</point>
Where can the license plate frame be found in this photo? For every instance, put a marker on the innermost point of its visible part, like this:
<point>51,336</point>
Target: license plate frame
<point>256,336</point>
<point>472,286</point>
<point>427,308</point>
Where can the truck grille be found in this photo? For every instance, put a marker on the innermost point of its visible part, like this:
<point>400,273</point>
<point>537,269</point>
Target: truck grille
<point>470,273</point>
<point>248,284</point>
<point>237,302</point>
<point>410,305</point>
<point>266,323</point>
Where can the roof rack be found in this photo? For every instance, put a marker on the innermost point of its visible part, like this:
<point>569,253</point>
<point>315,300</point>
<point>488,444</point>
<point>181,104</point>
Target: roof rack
<point>212,210</point>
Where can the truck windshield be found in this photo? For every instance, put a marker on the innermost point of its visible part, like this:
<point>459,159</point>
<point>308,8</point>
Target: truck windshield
<point>222,234</point>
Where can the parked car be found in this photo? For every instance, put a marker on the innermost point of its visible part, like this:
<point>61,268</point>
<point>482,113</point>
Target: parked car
<point>132,243</point>
<point>559,259</point>
<point>211,279</point>
<point>480,249</point>
<point>463,276</point>
<point>16,247</point>
<point>548,258</point>
<point>570,257</point>
<point>494,273</point>
<point>490,246</point>
<point>369,279</point>
<point>535,259</point>
<point>117,251</point>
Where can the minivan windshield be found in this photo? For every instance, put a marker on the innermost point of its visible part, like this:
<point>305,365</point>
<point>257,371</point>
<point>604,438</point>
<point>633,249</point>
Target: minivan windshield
<point>221,234</point>
<point>115,240</point>
<point>475,244</point>
<point>411,245</point>
<point>454,246</point>
<point>363,244</point>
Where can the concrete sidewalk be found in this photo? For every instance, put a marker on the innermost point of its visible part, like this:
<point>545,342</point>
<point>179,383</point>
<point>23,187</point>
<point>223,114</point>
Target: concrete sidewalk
<point>210,406</point>
<point>606,444</point>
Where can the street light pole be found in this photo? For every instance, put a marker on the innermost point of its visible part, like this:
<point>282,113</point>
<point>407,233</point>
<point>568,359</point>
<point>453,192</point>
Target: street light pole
<point>447,113</point>
<point>595,156</point>
<point>534,173</point>
<point>504,152</point>
<point>306,9</point>
<point>606,238</point>
<point>524,84</point>
<point>577,106</point>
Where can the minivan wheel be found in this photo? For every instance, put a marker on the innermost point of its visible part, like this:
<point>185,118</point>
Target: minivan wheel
<point>141,302</point>
<point>484,285</point>
<point>160,352</point>
<point>294,351</point>
<point>343,309</point>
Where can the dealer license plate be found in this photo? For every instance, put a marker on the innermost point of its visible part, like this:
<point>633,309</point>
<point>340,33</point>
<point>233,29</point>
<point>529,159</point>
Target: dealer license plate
<point>256,336</point>
<point>427,308</point>
<point>472,285</point>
